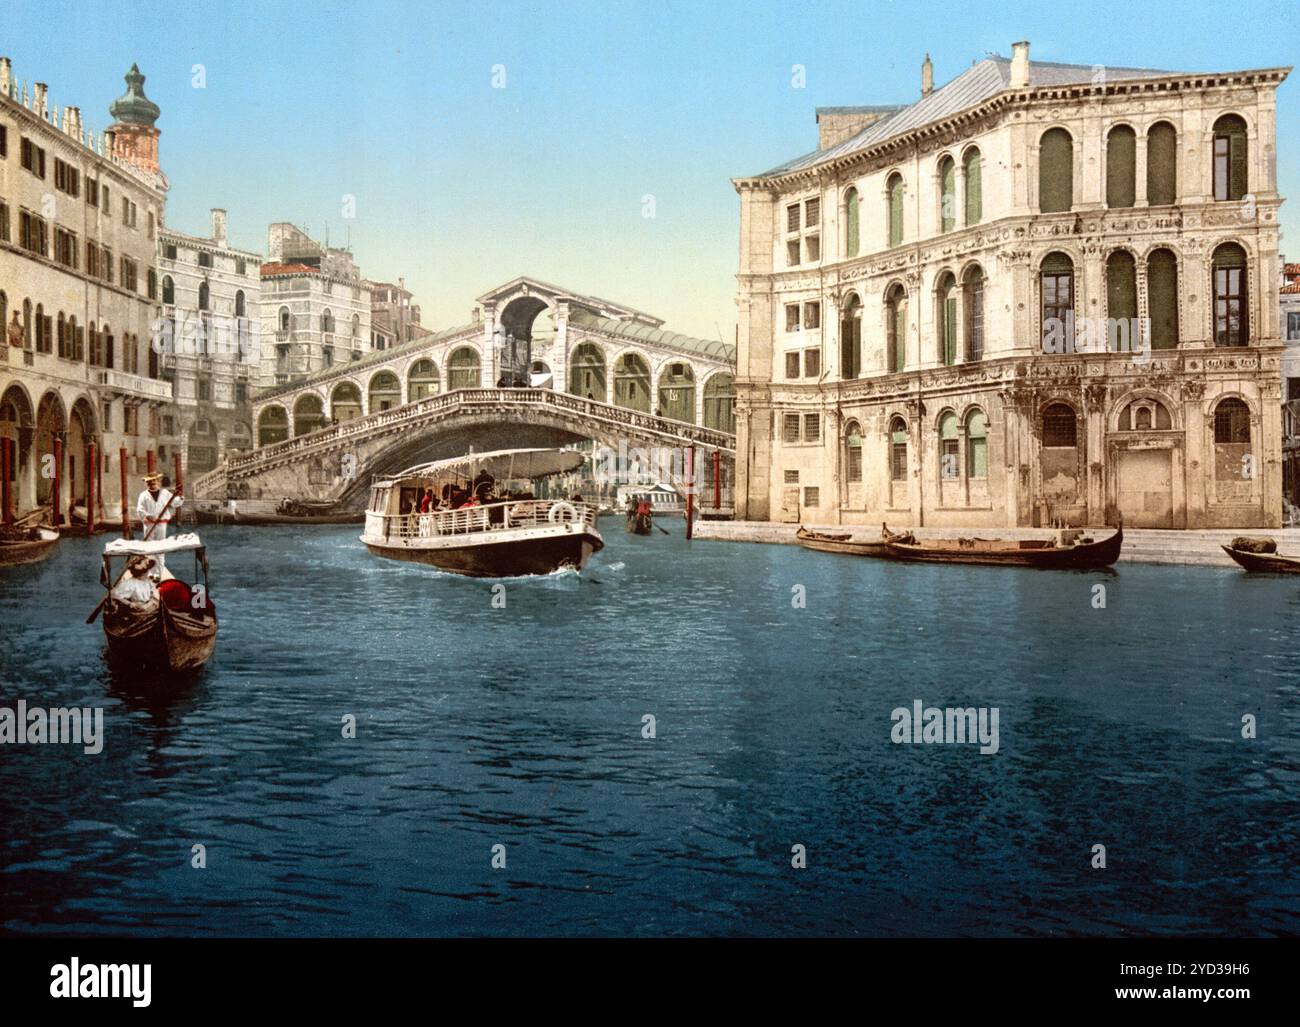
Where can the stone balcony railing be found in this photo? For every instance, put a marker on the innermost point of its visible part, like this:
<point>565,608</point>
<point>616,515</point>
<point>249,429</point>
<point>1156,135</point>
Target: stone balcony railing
<point>133,384</point>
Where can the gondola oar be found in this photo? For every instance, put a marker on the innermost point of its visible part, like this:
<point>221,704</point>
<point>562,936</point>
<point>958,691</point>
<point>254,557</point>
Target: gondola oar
<point>95,612</point>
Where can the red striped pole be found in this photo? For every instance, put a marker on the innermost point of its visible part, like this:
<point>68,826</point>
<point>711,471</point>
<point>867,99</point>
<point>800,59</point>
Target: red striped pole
<point>151,460</point>
<point>690,490</point>
<point>717,479</point>
<point>126,516</point>
<point>7,469</point>
<point>56,499</point>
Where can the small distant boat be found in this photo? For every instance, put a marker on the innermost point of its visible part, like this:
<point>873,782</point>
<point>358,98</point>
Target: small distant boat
<point>19,546</point>
<point>222,515</point>
<point>178,631</point>
<point>845,544</point>
<point>1072,550</point>
<point>498,533</point>
<point>640,524</point>
<point>1260,556</point>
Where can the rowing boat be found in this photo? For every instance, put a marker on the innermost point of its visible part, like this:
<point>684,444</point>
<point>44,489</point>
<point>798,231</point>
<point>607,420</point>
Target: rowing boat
<point>31,545</point>
<point>1069,552</point>
<point>844,544</point>
<point>1260,556</point>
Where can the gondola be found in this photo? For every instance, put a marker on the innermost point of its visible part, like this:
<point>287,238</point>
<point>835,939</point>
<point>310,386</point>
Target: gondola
<point>639,524</point>
<point>177,632</point>
<point>845,544</point>
<point>19,546</point>
<point>1066,553</point>
<point>1260,556</point>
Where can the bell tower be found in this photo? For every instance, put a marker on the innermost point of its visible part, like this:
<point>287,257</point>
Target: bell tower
<point>133,135</point>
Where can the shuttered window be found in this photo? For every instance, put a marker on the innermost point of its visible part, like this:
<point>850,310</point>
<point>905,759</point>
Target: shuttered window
<point>896,310</point>
<point>977,451</point>
<point>1121,167</point>
<point>853,452</point>
<point>898,449</point>
<point>972,163</point>
<point>895,212</point>
<point>1162,299</point>
<point>1229,158</point>
<point>974,313</point>
<point>851,221</point>
<point>1162,165</point>
<point>1121,286</point>
<point>947,195</point>
<point>1055,171</point>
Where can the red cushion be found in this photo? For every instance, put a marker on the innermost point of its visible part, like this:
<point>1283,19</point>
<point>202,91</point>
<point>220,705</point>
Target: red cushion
<point>175,594</point>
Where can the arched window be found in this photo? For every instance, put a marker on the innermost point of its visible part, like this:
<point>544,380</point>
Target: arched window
<point>720,403</point>
<point>203,295</point>
<point>463,369</point>
<point>1056,278</point>
<point>949,446</point>
<point>851,223</point>
<point>1145,415</point>
<point>1060,427</point>
<point>972,167</point>
<point>587,371</point>
<point>1121,167</point>
<point>168,290</point>
<point>327,321</point>
<point>1123,334</point>
<point>947,194</point>
<point>898,449</point>
<point>1162,298</point>
<point>973,312</point>
<point>1055,171</point>
<point>308,414</point>
<point>1162,164</point>
<point>852,451</point>
<point>977,444</point>
<point>27,324</point>
<point>356,327</point>
<point>1230,175</point>
<point>239,304</point>
<point>677,392</point>
<point>894,215</point>
<point>345,402</point>
<point>632,382</point>
<point>1231,422</point>
<point>272,426</point>
<point>946,317</point>
<point>896,328</point>
<point>284,319</point>
<point>422,380</point>
<point>851,338</point>
<point>385,392</point>
<point>1231,315</point>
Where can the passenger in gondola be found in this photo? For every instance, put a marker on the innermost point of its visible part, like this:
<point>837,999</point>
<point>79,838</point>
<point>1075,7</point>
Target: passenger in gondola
<point>135,587</point>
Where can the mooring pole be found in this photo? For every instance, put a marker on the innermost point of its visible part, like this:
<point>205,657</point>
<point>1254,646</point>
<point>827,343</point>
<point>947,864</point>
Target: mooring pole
<point>176,463</point>
<point>56,500</point>
<point>717,481</point>
<point>7,469</point>
<point>151,461</point>
<point>92,461</point>
<point>99,483</point>
<point>690,490</point>
<point>126,516</point>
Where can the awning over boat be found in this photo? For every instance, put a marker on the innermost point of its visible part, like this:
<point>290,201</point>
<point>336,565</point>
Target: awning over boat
<point>501,464</point>
<point>134,547</point>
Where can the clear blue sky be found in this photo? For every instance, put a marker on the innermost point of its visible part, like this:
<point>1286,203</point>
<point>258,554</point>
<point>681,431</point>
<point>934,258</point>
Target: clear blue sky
<point>460,186</point>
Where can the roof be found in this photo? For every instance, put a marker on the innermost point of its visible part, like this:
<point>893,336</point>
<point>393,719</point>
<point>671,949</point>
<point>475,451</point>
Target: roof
<point>1290,290</point>
<point>505,464</point>
<point>713,349</point>
<point>132,547</point>
<point>133,107</point>
<point>269,270</point>
<point>878,108</point>
<point>981,81</point>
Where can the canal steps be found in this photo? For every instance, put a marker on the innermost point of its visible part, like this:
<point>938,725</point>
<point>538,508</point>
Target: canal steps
<point>1141,545</point>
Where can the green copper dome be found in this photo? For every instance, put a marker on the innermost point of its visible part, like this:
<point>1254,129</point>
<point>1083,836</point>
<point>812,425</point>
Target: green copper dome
<point>133,107</point>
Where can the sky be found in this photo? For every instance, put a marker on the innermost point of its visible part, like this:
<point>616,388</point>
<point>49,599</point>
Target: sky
<point>483,141</point>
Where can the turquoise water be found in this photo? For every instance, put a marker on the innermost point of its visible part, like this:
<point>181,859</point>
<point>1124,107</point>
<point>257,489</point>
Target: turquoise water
<point>521,727</point>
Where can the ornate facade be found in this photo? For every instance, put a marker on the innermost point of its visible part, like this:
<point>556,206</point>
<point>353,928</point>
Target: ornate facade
<point>1041,294</point>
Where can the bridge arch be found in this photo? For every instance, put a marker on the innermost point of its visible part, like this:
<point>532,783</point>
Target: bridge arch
<point>384,392</point>
<point>632,381</point>
<point>422,379</point>
<point>518,336</point>
<point>676,394</point>
<point>464,368</point>
<point>588,372</point>
<point>345,401</point>
<point>272,425</point>
<point>308,414</point>
<point>720,402</point>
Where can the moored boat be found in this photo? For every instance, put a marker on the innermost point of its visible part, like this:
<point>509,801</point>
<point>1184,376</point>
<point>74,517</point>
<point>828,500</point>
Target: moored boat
<point>845,544</point>
<point>223,515</point>
<point>174,632</point>
<point>1260,556</point>
<point>19,546</point>
<point>456,515</point>
<point>1072,550</point>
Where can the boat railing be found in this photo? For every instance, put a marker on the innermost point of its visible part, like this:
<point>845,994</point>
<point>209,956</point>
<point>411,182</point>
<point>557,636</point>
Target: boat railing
<point>505,516</point>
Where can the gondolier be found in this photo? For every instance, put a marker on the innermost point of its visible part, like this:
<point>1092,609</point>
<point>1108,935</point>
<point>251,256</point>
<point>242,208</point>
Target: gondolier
<point>155,508</point>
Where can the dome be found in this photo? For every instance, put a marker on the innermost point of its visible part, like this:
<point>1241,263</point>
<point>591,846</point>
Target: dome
<point>133,107</point>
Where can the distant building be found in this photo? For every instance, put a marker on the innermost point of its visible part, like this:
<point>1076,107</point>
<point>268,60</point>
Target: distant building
<point>1289,295</point>
<point>79,214</point>
<point>1041,293</point>
<point>210,294</point>
<point>394,319</point>
<point>315,308</point>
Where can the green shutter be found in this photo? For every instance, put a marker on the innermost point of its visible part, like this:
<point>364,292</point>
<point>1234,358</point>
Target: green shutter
<point>900,335</point>
<point>851,215</point>
<point>950,328</point>
<point>896,212</point>
<point>948,197</point>
<point>1121,286</point>
<point>974,190</point>
<point>1121,167</point>
<point>1237,162</point>
<point>1162,299</point>
<point>1056,172</point>
<point>1162,165</point>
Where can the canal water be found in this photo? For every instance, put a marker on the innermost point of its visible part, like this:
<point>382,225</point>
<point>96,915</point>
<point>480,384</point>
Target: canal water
<point>771,675</point>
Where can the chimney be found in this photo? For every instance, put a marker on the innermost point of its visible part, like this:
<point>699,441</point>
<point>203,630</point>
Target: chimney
<point>927,76</point>
<point>39,96</point>
<point>1020,64</point>
<point>218,226</point>
<point>6,76</point>
<point>74,123</point>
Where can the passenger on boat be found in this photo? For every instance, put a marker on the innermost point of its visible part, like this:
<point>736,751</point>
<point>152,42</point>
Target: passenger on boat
<point>155,509</point>
<point>135,587</point>
<point>426,504</point>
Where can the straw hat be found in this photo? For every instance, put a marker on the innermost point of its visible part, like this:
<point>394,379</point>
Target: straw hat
<point>152,478</point>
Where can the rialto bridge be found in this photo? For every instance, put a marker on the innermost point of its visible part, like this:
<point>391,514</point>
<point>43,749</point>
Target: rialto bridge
<point>537,365</point>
